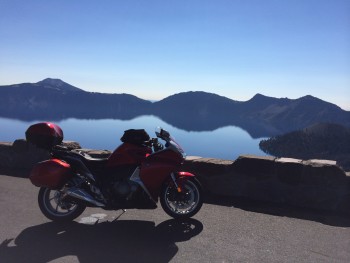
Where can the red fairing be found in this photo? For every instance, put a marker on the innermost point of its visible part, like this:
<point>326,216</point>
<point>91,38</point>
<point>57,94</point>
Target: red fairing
<point>128,154</point>
<point>156,169</point>
<point>52,173</point>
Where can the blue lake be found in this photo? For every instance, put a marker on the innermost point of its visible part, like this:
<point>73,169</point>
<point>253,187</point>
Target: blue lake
<point>225,143</point>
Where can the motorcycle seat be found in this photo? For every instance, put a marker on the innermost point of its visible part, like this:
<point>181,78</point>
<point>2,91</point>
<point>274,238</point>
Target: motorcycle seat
<point>88,158</point>
<point>93,164</point>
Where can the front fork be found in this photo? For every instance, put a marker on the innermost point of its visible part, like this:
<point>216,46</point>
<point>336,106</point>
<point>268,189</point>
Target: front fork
<point>177,179</point>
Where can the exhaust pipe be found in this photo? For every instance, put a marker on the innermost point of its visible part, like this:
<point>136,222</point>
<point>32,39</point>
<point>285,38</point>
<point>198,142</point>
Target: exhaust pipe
<point>82,195</point>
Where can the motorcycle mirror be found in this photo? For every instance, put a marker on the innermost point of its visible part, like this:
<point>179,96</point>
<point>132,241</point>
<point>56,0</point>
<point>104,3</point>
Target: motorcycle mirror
<point>165,134</point>
<point>161,133</point>
<point>158,131</point>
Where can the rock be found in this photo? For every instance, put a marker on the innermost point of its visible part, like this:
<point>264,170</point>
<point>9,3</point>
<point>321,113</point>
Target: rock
<point>207,166</point>
<point>23,155</point>
<point>304,183</point>
<point>5,155</point>
<point>21,145</point>
<point>211,172</point>
<point>330,162</point>
<point>71,145</point>
<point>288,171</point>
<point>256,166</point>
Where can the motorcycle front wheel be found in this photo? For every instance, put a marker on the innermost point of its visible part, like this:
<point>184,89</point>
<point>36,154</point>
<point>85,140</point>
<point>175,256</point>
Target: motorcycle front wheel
<point>54,208</point>
<point>185,203</point>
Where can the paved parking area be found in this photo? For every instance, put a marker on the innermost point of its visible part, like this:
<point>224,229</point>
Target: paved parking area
<point>229,232</point>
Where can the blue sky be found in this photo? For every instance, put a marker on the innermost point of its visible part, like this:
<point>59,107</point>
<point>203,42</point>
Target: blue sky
<point>154,48</point>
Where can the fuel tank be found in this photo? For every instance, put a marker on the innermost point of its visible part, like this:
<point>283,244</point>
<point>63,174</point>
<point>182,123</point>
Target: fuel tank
<point>128,154</point>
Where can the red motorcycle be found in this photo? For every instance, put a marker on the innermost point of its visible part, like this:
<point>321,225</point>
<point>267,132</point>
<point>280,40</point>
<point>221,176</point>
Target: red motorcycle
<point>138,173</point>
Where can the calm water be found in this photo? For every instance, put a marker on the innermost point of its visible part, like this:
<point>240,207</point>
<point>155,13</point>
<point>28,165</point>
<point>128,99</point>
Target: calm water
<point>225,143</point>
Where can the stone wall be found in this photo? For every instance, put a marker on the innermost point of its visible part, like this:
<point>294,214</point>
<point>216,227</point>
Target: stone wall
<point>22,155</point>
<point>317,184</point>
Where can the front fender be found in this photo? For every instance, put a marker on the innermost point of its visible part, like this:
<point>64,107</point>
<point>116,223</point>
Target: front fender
<point>174,178</point>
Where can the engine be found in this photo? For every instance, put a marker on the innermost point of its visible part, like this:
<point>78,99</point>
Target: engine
<point>124,188</point>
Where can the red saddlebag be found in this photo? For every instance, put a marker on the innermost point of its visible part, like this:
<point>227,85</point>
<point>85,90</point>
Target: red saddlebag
<point>52,174</point>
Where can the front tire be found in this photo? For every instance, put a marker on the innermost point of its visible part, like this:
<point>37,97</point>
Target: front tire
<point>54,208</point>
<point>182,204</point>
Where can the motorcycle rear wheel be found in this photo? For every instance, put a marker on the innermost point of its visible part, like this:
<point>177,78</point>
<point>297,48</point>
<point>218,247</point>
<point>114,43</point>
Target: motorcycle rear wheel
<point>54,208</point>
<point>182,204</point>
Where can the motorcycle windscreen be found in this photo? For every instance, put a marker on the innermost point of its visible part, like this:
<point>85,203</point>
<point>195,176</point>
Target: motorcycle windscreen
<point>52,174</point>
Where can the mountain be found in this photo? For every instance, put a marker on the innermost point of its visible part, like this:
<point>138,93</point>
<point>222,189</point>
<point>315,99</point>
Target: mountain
<point>54,99</point>
<point>57,84</point>
<point>196,111</point>
<point>261,116</point>
<point>286,114</point>
<point>318,141</point>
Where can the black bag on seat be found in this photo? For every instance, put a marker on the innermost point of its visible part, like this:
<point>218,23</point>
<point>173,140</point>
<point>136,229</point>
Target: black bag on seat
<point>139,136</point>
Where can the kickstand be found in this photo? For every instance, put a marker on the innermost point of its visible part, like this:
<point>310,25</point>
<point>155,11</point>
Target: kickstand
<point>123,211</point>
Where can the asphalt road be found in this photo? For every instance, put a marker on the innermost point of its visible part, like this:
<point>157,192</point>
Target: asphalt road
<point>234,231</point>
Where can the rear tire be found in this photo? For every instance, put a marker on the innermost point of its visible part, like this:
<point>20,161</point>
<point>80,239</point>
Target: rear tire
<point>184,204</point>
<point>54,208</point>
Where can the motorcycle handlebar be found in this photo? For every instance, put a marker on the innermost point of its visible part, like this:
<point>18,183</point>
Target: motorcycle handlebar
<point>156,145</point>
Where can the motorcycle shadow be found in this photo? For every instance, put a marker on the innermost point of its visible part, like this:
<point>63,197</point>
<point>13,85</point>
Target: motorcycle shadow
<point>120,241</point>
